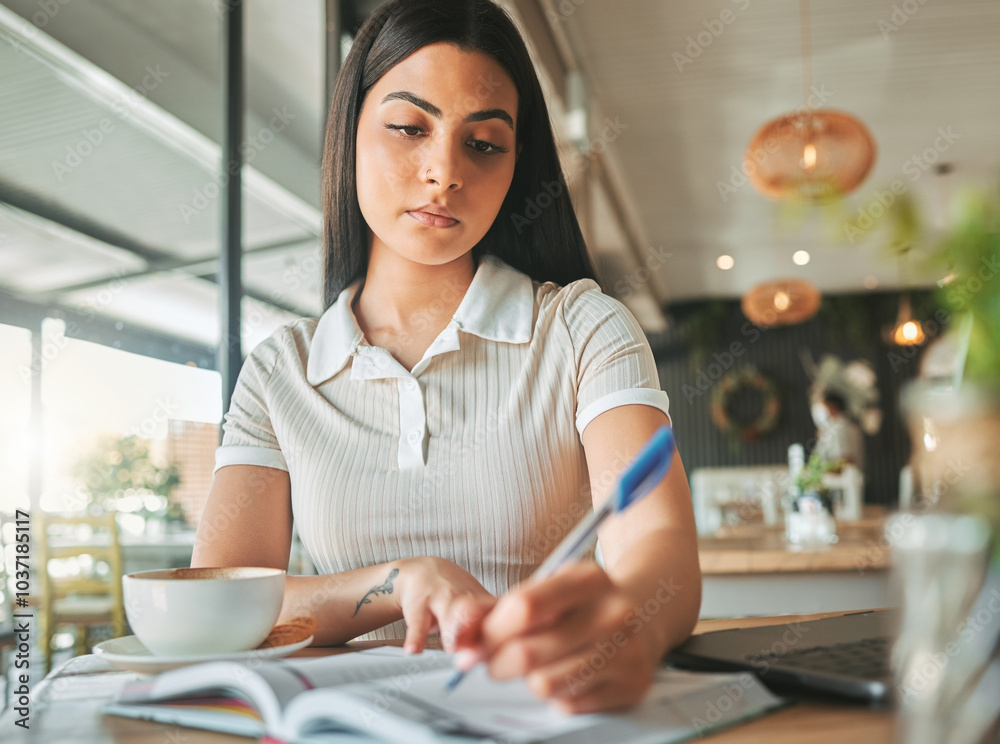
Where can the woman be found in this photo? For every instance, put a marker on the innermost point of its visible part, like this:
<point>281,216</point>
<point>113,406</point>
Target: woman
<point>467,395</point>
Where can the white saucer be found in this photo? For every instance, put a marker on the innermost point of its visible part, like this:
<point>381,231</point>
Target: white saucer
<point>128,652</point>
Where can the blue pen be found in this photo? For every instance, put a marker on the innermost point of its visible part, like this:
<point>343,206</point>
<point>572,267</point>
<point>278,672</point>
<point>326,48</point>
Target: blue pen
<point>642,475</point>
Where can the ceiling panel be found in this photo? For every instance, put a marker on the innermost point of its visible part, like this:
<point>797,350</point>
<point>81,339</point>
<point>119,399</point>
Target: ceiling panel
<point>77,142</point>
<point>37,256</point>
<point>159,186</point>
<point>688,123</point>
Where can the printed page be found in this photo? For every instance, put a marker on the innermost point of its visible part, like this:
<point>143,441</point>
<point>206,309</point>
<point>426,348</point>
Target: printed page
<point>365,666</point>
<point>478,706</point>
<point>681,705</point>
<point>267,690</point>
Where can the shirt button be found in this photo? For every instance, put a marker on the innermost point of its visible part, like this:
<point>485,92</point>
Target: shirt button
<point>411,385</point>
<point>414,436</point>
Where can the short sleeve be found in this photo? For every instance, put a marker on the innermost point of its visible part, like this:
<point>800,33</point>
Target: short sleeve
<point>248,437</point>
<point>615,366</point>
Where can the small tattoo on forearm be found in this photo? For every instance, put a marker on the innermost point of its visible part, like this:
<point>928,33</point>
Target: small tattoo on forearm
<point>384,588</point>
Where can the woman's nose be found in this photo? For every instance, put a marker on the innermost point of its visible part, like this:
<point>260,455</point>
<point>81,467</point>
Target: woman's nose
<point>442,166</point>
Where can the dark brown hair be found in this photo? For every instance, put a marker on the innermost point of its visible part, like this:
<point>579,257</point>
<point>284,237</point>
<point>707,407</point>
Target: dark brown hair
<point>536,230</point>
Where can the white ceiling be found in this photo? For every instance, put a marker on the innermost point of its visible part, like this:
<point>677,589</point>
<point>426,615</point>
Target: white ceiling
<point>683,131</point>
<point>688,124</point>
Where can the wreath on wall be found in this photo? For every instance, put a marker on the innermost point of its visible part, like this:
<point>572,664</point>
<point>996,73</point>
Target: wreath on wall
<point>739,379</point>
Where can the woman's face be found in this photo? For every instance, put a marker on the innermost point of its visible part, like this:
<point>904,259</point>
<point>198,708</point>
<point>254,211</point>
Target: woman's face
<point>437,129</point>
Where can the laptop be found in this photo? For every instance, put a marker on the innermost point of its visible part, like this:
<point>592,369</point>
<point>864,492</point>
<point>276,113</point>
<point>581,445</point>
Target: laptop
<point>846,656</point>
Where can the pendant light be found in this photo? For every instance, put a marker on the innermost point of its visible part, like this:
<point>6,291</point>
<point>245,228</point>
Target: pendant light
<point>781,302</point>
<point>906,331</point>
<point>811,154</point>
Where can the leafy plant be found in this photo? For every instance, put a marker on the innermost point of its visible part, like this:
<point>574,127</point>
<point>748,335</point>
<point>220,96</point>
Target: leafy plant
<point>811,476</point>
<point>120,474</point>
<point>971,255</point>
<point>810,480</point>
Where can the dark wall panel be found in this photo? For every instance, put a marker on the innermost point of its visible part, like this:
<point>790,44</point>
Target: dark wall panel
<point>847,326</point>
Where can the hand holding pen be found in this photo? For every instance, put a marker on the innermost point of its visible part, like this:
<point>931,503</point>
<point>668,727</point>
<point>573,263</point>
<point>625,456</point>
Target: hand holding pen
<point>644,473</point>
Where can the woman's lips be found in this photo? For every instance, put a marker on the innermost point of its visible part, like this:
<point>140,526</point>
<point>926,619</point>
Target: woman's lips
<point>432,220</point>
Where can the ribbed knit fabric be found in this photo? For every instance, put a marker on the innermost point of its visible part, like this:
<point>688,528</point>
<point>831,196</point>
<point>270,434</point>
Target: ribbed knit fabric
<point>475,456</point>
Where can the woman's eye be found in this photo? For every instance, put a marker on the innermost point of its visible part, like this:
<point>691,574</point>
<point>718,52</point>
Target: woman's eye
<point>487,148</point>
<point>407,130</point>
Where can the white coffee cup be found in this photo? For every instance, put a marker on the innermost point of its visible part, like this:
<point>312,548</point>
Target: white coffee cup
<point>195,611</point>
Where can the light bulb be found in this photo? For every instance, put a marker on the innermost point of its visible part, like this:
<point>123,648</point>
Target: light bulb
<point>800,258</point>
<point>809,156</point>
<point>781,301</point>
<point>725,262</point>
<point>909,333</point>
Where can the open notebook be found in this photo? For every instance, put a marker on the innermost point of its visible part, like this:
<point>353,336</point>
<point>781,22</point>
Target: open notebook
<point>384,695</point>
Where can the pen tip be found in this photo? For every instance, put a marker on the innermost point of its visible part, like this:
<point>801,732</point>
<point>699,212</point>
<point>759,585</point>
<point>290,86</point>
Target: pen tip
<point>453,681</point>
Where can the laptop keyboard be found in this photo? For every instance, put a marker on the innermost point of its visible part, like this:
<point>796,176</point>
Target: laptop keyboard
<point>865,659</point>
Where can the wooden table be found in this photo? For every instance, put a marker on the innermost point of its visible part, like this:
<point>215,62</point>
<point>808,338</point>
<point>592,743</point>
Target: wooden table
<point>750,570</point>
<point>70,714</point>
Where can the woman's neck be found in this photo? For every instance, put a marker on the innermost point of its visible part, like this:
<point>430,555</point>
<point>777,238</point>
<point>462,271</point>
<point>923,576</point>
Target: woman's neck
<point>400,296</point>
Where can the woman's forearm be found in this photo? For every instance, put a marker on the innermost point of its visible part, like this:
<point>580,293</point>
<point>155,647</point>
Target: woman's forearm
<point>661,573</point>
<point>348,604</point>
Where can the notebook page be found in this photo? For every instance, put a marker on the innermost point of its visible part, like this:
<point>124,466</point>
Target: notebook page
<point>365,666</point>
<point>680,705</point>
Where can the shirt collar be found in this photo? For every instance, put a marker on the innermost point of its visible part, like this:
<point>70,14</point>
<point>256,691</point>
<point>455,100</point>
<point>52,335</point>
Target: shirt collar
<point>499,305</point>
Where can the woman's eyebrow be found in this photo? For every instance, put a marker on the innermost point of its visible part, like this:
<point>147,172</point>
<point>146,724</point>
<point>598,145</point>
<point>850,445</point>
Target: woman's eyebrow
<point>430,108</point>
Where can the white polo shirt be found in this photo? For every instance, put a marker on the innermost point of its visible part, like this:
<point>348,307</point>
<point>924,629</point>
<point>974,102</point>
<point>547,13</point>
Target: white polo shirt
<point>475,455</point>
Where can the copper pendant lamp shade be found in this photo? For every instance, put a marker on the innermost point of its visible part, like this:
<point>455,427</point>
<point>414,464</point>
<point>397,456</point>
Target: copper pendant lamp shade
<point>810,155</point>
<point>781,302</point>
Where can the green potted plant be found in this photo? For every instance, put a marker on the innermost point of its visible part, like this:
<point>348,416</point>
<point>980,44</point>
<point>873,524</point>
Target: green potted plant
<point>944,560</point>
<point>810,479</point>
<point>121,474</point>
<point>955,423</point>
<point>809,507</point>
